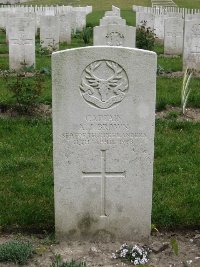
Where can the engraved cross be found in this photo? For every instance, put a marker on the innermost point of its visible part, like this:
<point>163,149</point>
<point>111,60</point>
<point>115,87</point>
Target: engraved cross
<point>103,175</point>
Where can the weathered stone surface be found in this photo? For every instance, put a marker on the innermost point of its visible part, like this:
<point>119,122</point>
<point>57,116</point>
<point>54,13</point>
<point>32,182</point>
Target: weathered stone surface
<point>115,12</point>
<point>115,35</point>
<point>159,26</point>
<point>191,54</point>
<point>112,20</point>
<point>65,21</point>
<point>49,32</point>
<point>22,43</point>
<point>148,18</point>
<point>173,42</point>
<point>103,131</point>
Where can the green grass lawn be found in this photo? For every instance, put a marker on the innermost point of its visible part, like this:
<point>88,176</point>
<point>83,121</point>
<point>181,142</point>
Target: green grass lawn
<point>106,4</point>
<point>97,5</point>
<point>188,3</point>
<point>26,189</point>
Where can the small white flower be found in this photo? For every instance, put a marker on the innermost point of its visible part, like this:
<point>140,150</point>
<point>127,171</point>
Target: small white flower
<point>114,256</point>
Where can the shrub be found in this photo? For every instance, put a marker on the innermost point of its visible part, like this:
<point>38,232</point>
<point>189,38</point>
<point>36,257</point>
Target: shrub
<point>16,251</point>
<point>145,37</point>
<point>86,35</point>
<point>161,104</point>
<point>26,89</point>
<point>47,51</point>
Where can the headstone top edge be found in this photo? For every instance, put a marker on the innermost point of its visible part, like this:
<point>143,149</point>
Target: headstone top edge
<point>105,47</point>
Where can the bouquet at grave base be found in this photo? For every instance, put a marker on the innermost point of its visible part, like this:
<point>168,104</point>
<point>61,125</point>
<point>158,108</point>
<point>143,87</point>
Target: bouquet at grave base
<point>136,255</point>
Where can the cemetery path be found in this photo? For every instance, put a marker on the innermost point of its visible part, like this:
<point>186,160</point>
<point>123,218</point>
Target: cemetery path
<point>99,254</point>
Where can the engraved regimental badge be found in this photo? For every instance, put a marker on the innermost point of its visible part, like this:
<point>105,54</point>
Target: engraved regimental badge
<point>104,84</point>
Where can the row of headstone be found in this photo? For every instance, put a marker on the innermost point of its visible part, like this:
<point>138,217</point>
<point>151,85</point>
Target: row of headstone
<point>77,14</point>
<point>181,35</point>
<point>113,30</point>
<point>12,2</point>
<point>163,10</point>
<point>167,3</point>
<point>21,29</point>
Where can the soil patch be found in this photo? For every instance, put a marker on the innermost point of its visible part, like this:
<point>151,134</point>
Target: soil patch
<point>192,114</point>
<point>100,254</point>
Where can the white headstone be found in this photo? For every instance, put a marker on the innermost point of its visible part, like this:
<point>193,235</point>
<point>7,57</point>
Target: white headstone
<point>147,18</point>
<point>115,12</point>
<point>114,20</point>
<point>49,32</point>
<point>3,18</point>
<point>22,43</point>
<point>160,22</point>
<point>65,27</point>
<point>191,54</point>
<point>115,35</point>
<point>80,19</point>
<point>173,41</point>
<point>192,16</point>
<point>159,26</point>
<point>103,128</point>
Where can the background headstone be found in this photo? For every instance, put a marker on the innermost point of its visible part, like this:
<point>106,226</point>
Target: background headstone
<point>148,18</point>
<point>49,32</point>
<point>173,41</point>
<point>22,43</point>
<point>191,53</point>
<point>65,27</point>
<point>115,35</point>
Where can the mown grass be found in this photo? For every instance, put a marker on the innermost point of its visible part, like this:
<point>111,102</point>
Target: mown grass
<point>106,4</point>
<point>170,64</point>
<point>169,92</point>
<point>176,195</point>
<point>26,189</point>
<point>97,5</point>
<point>188,3</point>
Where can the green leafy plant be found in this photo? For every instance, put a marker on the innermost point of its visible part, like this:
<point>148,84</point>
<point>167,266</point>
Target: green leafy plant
<point>46,51</point>
<point>136,255</point>
<point>154,228</point>
<point>185,92</point>
<point>174,245</point>
<point>161,104</point>
<point>145,37</point>
<point>16,251</point>
<point>160,70</point>
<point>86,35</point>
<point>58,262</point>
<point>26,88</point>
